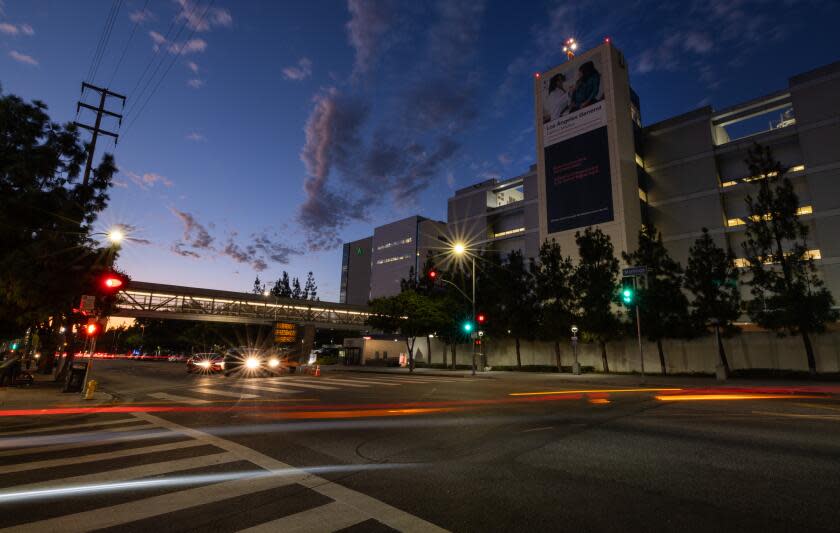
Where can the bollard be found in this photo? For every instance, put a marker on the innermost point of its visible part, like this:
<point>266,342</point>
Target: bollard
<point>317,371</point>
<point>90,389</point>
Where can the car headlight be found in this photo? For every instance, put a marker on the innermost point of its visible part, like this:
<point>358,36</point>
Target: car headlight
<point>273,363</point>
<point>221,364</point>
<point>204,364</point>
<point>252,363</point>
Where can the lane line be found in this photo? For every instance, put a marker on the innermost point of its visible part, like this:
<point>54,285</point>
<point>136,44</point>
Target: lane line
<point>338,382</point>
<point>374,382</point>
<point>218,392</point>
<point>381,511</point>
<point>326,518</point>
<point>176,398</point>
<point>120,514</point>
<point>131,472</point>
<point>85,443</point>
<point>69,426</point>
<point>289,383</point>
<point>50,463</point>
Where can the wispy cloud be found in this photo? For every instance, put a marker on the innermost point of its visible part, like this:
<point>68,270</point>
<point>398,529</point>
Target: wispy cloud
<point>196,83</point>
<point>370,20</point>
<point>201,18</point>
<point>196,137</point>
<point>195,234</point>
<point>15,30</point>
<point>148,180</point>
<point>193,66</point>
<point>141,15</point>
<point>23,58</point>
<point>189,47</point>
<point>299,72</point>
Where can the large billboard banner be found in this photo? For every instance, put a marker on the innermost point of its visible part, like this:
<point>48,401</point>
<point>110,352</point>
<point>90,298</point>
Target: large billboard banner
<point>575,147</point>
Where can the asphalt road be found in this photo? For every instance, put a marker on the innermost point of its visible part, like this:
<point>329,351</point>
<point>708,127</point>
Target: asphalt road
<point>373,452</point>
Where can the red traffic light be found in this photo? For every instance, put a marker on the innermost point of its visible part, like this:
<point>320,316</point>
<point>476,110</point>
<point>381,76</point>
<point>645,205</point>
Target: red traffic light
<point>433,274</point>
<point>480,318</point>
<point>112,282</point>
<point>91,329</point>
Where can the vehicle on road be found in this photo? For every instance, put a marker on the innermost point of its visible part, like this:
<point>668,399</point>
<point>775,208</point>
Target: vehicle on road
<point>252,362</point>
<point>205,363</point>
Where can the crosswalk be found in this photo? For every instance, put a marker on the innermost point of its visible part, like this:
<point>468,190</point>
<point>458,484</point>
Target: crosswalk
<point>211,389</point>
<point>178,478</point>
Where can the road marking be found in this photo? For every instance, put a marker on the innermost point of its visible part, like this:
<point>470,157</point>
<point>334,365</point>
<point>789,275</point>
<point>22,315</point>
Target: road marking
<point>381,511</point>
<point>86,443</point>
<point>218,392</point>
<point>330,517</point>
<point>291,383</point>
<point>797,415</point>
<point>820,406</point>
<point>50,463</point>
<point>176,398</point>
<point>537,429</point>
<point>117,515</point>
<point>266,388</point>
<point>70,426</point>
<point>373,382</point>
<point>132,472</point>
<point>343,383</point>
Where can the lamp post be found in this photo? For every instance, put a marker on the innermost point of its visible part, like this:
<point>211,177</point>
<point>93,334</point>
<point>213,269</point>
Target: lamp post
<point>576,365</point>
<point>460,250</point>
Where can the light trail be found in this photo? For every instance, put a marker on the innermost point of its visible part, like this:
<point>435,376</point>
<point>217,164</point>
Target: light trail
<point>730,397</point>
<point>588,391</point>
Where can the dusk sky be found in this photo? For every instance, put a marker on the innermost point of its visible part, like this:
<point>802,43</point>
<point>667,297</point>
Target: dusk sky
<point>281,129</point>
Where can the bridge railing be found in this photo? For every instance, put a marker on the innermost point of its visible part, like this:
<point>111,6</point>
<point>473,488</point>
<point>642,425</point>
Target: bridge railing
<point>134,302</point>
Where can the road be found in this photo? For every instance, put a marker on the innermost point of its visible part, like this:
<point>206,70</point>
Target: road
<point>373,452</point>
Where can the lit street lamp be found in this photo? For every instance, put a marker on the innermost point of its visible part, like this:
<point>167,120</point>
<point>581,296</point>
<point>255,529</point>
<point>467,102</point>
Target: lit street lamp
<point>460,249</point>
<point>116,235</point>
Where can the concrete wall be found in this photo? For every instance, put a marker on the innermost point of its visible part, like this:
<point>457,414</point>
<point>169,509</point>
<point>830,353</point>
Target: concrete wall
<point>744,351</point>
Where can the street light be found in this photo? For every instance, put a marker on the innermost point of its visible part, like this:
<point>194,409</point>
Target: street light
<point>460,249</point>
<point>115,235</point>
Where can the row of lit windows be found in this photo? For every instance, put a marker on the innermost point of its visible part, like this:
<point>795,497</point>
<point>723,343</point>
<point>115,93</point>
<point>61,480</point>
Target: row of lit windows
<point>804,210</point>
<point>391,259</point>
<point>407,240</point>
<point>730,183</point>
<point>741,262</point>
<point>508,232</point>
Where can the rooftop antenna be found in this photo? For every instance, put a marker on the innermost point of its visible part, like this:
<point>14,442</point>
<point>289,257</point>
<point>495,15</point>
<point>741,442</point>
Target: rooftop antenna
<point>570,47</point>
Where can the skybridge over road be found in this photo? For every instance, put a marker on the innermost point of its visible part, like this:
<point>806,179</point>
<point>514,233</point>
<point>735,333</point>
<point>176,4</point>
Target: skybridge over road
<point>155,300</point>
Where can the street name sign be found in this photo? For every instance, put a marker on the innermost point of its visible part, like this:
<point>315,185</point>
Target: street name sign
<point>634,271</point>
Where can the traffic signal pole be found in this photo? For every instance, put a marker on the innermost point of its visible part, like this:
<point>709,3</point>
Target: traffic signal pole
<point>474,334</point>
<point>639,334</point>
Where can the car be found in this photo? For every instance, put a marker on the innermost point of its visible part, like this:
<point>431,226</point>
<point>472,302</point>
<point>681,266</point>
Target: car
<point>205,363</point>
<point>248,362</point>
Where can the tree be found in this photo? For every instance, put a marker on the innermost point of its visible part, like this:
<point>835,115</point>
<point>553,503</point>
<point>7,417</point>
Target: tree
<point>554,290</point>
<point>662,305</point>
<point>712,279</point>
<point>46,213</point>
<point>259,287</point>
<point>297,293</point>
<point>595,280</point>
<point>409,313</point>
<point>788,295</point>
<point>310,289</point>
<point>510,300</point>
<point>281,288</point>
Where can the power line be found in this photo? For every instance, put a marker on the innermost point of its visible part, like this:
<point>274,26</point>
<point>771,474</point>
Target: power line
<point>127,43</point>
<point>103,39</point>
<point>155,55</point>
<point>171,63</point>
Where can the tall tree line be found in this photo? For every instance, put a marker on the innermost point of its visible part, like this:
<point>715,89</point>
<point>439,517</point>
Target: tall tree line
<point>285,287</point>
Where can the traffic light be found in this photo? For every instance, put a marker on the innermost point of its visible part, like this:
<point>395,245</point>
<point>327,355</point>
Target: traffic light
<point>14,346</point>
<point>432,274</point>
<point>91,329</point>
<point>480,318</point>
<point>628,291</point>
<point>468,326</point>
<point>111,282</point>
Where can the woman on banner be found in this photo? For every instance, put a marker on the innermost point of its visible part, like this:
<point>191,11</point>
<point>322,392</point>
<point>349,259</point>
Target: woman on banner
<point>587,88</point>
<point>557,100</point>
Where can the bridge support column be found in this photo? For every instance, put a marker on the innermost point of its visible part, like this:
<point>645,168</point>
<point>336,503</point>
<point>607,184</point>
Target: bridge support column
<point>307,342</point>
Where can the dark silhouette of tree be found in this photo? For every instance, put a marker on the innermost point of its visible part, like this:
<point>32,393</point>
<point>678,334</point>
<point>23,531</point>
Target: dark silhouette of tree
<point>512,300</point>
<point>297,293</point>
<point>553,275</point>
<point>712,279</point>
<point>310,289</point>
<point>259,287</point>
<point>282,288</point>
<point>595,281</point>
<point>662,304</point>
<point>788,295</point>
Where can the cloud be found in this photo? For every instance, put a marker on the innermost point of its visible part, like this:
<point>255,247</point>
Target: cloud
<point>23,58</point>
<point>141,15</point>
<point>178,248</point>
<point>13,30</point>
<point>196,137</point>
<point>300,72</point>
<point>195,83</point>
<point>193,66</point>
<point>369,21</point>
<point>195,233</point>
<point>188,47</point>
<point>157,40</point>
<point>505,159</point>
<point>148,180</point>
<point>200,18</point>
<point>697,42</point>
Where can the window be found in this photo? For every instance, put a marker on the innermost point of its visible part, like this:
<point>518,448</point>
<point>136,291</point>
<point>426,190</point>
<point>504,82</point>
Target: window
<point>741,262</point>
<point>804,210</point>
<point>642,195</point>
<point>640,161</point>
<point>407,240</point>
<point>729,183</point>
<point>391,259</point>
<point>508,232</point>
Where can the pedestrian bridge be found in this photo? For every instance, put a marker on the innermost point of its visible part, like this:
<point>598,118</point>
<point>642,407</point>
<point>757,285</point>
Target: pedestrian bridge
<point>155,300</point>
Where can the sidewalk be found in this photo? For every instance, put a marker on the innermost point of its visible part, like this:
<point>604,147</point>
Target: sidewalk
<point>606,380</point>
<point>45,393</point>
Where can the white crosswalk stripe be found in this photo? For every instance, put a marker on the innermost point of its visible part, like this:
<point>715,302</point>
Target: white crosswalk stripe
<point>219,392</point>
<point>296,383</point>
<point>83,440</point>
<point>70,426</point>
<point>176,398</point>
<point>266,388</point>
<point>198,478</point>
<point>337,382</point>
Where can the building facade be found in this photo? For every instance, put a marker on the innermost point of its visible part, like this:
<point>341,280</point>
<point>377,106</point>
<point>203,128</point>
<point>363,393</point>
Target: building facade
<point>355,272</point>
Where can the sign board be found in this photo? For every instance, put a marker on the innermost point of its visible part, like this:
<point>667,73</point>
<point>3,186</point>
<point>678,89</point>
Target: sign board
<point>634,271</point>
<point>88,303</point>
<point>285,333</point>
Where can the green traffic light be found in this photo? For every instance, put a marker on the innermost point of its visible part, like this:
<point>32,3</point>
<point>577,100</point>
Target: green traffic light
<point>627,296</point>
<point>468,326</point>
<point>14,346</point>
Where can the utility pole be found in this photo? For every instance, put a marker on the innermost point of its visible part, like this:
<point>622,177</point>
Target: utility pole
<point>95,129</point>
